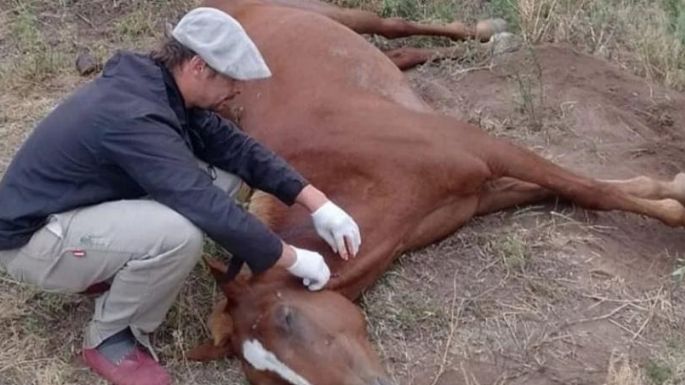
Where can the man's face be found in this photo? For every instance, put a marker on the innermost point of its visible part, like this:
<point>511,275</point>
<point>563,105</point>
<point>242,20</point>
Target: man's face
<point>210,89</point>
<point>216,89</point>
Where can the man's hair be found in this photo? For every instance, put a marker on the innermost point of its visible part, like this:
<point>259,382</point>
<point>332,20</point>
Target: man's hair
<point>172,54</point>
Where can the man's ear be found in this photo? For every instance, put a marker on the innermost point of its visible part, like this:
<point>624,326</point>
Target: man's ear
<point>197,65</point>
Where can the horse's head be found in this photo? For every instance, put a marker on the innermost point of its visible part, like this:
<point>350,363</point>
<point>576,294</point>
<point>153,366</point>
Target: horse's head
<point>285,334</point>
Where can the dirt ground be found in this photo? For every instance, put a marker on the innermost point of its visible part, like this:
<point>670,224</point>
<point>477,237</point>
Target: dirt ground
<point>548,294</point>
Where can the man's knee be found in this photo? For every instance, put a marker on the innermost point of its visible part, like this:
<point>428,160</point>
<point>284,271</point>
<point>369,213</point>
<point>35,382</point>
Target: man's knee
<point>181,234</point>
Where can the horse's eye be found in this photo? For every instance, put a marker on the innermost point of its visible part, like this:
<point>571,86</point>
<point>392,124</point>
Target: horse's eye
<point>289,319</point>
<point>286,319</point>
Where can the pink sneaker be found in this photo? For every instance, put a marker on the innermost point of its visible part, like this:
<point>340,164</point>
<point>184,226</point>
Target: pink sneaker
<point>137,368</point>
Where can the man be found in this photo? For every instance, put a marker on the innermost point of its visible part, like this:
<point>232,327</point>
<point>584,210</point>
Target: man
<point>114,186</point>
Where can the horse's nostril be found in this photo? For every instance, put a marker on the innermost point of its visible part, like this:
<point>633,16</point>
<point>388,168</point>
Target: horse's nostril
<point>383,381</point>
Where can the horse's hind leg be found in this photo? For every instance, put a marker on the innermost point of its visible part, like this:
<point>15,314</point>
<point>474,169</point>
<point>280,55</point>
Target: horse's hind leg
<point>369,23</point>
<point>409,57</point>
<point>506,159</point>
<point>648,188</point>
<point>505,192</point>
<point>365,22</point>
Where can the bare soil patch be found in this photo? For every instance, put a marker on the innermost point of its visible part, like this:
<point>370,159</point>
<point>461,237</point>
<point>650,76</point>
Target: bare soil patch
<point>548,294</point>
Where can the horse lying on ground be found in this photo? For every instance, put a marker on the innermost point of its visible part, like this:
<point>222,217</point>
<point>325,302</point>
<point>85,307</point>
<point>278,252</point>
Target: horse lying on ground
<point>343,114</point>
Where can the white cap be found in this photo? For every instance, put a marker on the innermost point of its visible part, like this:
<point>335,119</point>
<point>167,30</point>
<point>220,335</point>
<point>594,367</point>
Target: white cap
<point>221,42</point>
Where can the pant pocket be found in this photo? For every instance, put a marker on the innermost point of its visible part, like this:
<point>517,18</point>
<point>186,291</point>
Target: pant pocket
<point>35,259</point>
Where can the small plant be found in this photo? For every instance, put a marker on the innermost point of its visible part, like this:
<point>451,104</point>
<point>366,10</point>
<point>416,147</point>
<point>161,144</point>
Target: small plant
<point>675,10</point>
<point>434,10</point>
<point>658,373</point>
<point>36,60</point>
<point>506,9</point>
<point>513,251</point>
<point>621,372</point>
<point>530,90</point>
<point>400,8</point>
<point>137,24</point>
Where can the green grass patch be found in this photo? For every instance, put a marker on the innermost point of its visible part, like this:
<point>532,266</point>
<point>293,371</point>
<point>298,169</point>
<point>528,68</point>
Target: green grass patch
<point>675,9</point>
<point>507,10</point>
<point>437,10</point>
<point>36,59</point>
<point>658,373</point>
<point>513,252</point>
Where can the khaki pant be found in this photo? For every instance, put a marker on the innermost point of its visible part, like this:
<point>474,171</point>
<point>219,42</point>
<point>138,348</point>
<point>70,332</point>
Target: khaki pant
<point>142,248</point>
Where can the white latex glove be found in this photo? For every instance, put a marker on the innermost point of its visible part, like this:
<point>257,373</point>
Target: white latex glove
<point>311,267</point>
<point>335,226</point>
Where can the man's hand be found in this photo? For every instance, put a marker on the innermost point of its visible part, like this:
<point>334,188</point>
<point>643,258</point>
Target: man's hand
<point>308,265</point>
<point>338,229</point>
<point>332,224</point>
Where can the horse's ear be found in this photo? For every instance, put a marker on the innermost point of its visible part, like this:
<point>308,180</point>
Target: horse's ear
<point>231,289</point>
<point>221,328</point>
<point>236,288</point>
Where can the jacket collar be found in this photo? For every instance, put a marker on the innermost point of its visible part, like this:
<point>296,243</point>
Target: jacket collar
<point>148,78</point>
<point>174,95</point>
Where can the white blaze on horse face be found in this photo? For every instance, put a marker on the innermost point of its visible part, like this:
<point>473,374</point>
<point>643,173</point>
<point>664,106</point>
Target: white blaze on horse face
<point>262,359</point>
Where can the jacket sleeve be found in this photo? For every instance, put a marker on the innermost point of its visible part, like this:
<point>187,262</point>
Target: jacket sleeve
<point>156,157</point>
<point>224,145</point>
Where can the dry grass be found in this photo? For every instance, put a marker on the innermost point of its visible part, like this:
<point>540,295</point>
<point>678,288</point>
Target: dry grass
<point>622,372</point>
<point>41,336</point>
<point>646,36</point>
<point>477,316</point>
<point>521,298</point>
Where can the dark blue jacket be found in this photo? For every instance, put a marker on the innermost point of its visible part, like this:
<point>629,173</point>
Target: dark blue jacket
<point>127,135</point>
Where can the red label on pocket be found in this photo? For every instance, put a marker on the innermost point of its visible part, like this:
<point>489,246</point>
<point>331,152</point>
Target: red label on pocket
<point>78,253</point>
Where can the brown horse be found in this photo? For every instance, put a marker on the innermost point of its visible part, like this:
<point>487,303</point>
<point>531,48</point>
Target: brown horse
<point>343,114</point>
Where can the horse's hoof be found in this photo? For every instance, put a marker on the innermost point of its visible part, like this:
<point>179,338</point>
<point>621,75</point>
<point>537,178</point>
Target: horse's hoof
<point>678,185</point>
<point>504,42</point>
<point>486,29</point>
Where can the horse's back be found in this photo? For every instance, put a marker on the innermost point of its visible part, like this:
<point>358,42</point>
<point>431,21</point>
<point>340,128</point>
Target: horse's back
<point>319,66</point>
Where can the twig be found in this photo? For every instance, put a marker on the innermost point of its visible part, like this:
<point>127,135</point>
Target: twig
<point>471,69</point>
<point>598,318</point>
<point>632,302</point>
<point>488,266</point>
<point>649,316</point>
<point>463,373</point>
<point>622,327</point>
<point>85,19</point>
<point>454,319</point>
<point>644,324</point>
<point>468,380</point>
<point>10,280</point>
<point>24,362</point>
